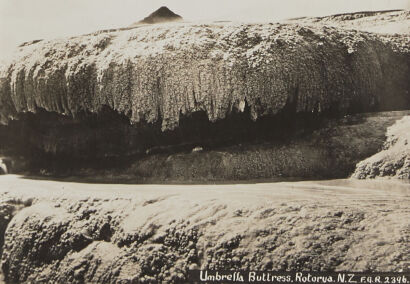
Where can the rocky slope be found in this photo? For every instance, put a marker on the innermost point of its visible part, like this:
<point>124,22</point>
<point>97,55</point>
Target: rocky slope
<point>394,159</point>
<point>382,22</point>
<point>76,232</point>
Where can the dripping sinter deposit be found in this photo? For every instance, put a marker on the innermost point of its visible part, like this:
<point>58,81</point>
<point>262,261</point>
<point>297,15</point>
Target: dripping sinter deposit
<point>160,72</point>
<point>162,86</point>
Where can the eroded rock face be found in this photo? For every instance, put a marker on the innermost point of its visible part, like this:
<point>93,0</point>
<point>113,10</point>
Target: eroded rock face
<point>394,159</point>
<point>169,88</point>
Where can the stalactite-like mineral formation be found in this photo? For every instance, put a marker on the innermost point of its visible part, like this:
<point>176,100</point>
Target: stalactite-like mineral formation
<point>159,73</point>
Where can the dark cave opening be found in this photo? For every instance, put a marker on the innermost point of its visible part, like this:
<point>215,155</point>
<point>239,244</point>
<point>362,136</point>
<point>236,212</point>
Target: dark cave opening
<point>50,143</point>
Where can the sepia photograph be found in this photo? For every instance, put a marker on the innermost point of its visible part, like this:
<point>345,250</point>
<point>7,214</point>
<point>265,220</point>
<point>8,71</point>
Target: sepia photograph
<point>217,141</point>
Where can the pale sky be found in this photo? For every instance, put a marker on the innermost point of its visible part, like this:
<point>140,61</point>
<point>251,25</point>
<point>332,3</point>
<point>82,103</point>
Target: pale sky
<point>25,20</point>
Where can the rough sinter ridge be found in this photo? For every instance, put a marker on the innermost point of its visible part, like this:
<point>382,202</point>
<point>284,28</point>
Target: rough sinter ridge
<point>160,72</point>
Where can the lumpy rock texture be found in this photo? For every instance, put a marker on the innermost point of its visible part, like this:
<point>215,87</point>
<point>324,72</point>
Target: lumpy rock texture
<point>158,73</point>
<point>76,233</point>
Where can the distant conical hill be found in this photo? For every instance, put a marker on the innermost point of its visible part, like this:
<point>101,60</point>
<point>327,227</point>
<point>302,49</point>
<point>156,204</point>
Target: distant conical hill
<point>161,15</point>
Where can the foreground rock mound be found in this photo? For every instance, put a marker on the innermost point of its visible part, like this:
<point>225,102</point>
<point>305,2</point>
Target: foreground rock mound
<point>83,234</point>
<point>394,159</point>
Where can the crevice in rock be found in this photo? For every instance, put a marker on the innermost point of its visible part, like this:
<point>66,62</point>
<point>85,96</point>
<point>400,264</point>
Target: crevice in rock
<point>8,209</point>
